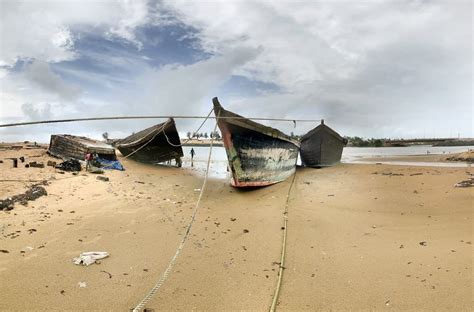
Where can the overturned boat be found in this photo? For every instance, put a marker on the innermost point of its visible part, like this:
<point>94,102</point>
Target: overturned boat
<point>156,144</point>
<point>66,146</point>
<point>321,147</point>
<point>258,155</point>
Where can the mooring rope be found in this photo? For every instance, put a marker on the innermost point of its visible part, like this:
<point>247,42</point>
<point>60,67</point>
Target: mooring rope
<point>283,248</point>
<point>171,264</point>
<point>138,149</point>
<point>186,141</point>
<point>27,123</point>
<point>148,142</point>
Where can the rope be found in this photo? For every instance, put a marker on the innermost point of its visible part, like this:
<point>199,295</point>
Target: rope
<point>167,139</point>
<point>141,147</point>
<point>171,264</point>
<point>186,141</point>
<point>145,117</point>
<point>283,248</point>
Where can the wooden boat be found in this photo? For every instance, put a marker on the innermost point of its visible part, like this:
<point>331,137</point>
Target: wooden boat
<point>258,155</point>
<point>156,144</point>
<point>67,146</point>
<point>321,147</point>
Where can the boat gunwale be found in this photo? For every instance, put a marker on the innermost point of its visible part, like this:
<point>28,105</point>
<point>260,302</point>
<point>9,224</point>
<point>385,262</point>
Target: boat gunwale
<point>322,127</point>
<point>250,124</point>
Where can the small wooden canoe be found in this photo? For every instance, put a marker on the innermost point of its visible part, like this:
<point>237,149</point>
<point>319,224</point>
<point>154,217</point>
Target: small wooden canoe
<point>321,147</point>
<point>258,155</point>
<point>156,144</point>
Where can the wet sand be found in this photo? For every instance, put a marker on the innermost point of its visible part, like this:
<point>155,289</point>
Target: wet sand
<point>455,158</point>
<point>354,237</point>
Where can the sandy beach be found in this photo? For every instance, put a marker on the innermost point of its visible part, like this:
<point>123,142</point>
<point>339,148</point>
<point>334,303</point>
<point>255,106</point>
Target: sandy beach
<point>360,237</point>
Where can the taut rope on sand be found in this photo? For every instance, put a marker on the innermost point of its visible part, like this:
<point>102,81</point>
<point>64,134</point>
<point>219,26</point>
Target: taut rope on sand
<point>171,264</point>
<point>283,248</point>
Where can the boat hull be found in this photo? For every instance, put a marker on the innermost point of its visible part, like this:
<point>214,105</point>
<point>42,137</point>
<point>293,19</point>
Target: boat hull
<point>67,146</point>
<point>257,155</point>
<point>321,148</point>
<point>156,144</point>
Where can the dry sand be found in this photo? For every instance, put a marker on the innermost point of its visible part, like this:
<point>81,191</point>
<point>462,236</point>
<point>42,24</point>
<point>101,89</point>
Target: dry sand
<point>354,237</point>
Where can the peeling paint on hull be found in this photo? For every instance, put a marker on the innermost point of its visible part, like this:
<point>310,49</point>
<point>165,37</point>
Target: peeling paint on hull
<point>257,155</point>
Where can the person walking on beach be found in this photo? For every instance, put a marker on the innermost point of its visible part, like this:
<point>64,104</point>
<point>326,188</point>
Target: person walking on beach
<point>88,160</point>
<point>192,156</point>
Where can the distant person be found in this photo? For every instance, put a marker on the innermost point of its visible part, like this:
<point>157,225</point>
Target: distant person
<point>192,156</point>
<point>88,158</point>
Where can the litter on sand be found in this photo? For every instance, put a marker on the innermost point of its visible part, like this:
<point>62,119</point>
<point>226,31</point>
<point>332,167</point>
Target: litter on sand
<point>466,183</point>
<point>90,257</point>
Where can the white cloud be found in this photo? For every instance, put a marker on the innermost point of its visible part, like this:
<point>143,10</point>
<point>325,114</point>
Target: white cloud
<point>42,29</point>
<point>39,73</point>
<point>37,111</point>
<point>180,89</point>
<point>36,93</point>
<point>374,68</point>
<point>135,14</point>
<point>367,66</point>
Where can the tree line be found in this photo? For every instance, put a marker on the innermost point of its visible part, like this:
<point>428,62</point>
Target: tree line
<point>361,142</point>
<point>197,135</point>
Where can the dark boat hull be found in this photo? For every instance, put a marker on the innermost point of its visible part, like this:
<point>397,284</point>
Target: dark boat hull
<point>156,144</point>
<point>257,155</point>
<point>321,147</point>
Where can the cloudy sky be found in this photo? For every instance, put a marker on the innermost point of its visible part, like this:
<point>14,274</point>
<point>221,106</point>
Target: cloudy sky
<point>369,68</point>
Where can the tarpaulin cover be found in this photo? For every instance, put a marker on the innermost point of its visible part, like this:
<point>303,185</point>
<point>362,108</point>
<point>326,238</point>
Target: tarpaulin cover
<point>109,164</point>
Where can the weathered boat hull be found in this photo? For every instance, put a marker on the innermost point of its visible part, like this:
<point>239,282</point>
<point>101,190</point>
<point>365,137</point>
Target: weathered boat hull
<point>258,155</point>
<point>321,147</point>
<point>67,146</point>
<point>156,144</point>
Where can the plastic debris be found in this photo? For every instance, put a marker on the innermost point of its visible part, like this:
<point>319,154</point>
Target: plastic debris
<point>82,284</point>
<point>465,183</point>
<point>90,257</point>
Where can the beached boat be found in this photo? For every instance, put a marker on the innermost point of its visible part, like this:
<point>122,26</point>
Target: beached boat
<point>67,146</point>
<point>321,147</point>
<point>156,144</point>
<point>258,155</point>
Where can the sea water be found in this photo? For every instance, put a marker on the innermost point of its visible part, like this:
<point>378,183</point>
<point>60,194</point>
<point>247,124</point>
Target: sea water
<point>219,166</point>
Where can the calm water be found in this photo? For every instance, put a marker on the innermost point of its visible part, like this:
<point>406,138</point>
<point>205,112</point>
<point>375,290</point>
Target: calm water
<point>218,168</point>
